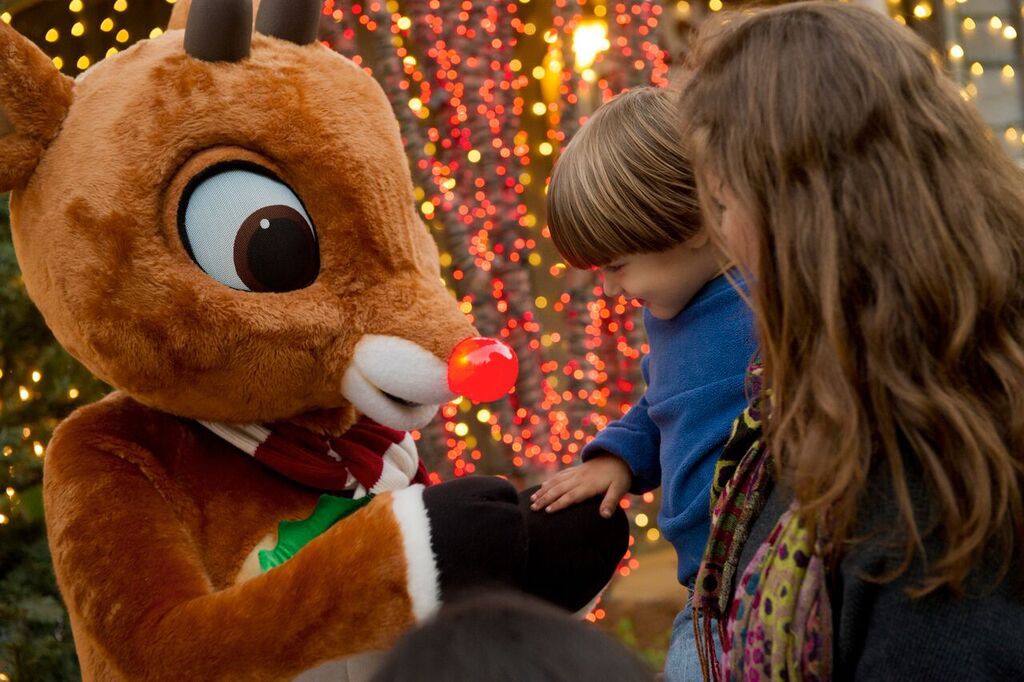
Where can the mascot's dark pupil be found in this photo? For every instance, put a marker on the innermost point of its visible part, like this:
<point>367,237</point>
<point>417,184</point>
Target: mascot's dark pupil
<point>276,250</point>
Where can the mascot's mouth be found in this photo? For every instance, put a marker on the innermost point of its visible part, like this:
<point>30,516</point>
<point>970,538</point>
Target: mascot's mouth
<point>395,382</point>
<point>401,401</point>
<point>383,406</point>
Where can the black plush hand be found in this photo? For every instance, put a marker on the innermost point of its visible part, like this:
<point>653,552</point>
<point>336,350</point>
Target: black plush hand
<point>573,553</point>
<point>477,533</point>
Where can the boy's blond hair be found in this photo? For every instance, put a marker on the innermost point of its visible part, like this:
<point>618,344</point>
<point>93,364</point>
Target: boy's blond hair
<point>623,184</point>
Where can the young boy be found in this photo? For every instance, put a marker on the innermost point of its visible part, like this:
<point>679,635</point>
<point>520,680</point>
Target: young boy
<point>623,198</point>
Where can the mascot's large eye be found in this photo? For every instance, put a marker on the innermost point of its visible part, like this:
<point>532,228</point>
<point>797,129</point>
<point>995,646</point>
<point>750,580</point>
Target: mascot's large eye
<point>249,231</point>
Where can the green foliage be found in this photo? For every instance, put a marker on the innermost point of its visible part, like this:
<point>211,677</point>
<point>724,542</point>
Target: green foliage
<point>650,652</point>
<point>35,637</point>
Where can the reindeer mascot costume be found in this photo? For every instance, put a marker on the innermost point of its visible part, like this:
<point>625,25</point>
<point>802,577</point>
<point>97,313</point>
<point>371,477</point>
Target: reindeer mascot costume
<point>220,223</point>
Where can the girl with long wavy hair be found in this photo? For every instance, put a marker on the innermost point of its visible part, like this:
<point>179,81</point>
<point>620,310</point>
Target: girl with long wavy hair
<point>870,523</point>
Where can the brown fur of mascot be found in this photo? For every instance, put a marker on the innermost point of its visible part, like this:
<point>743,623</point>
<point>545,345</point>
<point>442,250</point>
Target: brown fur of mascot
<point>220,223</point>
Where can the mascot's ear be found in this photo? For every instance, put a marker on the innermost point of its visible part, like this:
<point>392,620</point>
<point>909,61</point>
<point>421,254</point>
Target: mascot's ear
<point>34,98</point>
<point>179,15</point>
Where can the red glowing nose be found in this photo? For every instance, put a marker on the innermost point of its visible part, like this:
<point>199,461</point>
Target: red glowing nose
<point>482,369</point>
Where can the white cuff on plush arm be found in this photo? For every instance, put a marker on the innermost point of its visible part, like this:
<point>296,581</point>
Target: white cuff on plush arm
<point>421,564</point>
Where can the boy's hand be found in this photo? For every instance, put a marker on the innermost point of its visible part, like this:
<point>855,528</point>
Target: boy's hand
<point>606,474</point>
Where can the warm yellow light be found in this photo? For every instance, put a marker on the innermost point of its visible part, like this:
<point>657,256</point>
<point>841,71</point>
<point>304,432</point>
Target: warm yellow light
<point>956,52</point>
<point>112,51</point>
<point>52,35</point>
<point>461,429</point>
<point>715,5</point>
<point>539,108</point>
<point>23,393</point>
<point>1009,33</point>
<point>404,23</point>
<point>550,36</point>
<point>535,260</point>
<point>37,448</point>
<point>995,23</point>
<point>75,5</point>
<point>3,521</point>
<point>427,208</point>
<point>922,10</point>
<point>483,416</point>
<point>36,376</point>
<point>107,25</point>
<point>541,302</point>
<point>73,393</point>
<point>977,69</point>
<point>969,24</point>
<point>78,29</point>
<point>416,104</point>
<point>58,62</point>
<point>1007,72</point>
<point>538,72</point>
<point>589,75</point>
<point>530,29</point>
<point>1011,134</point>
<point>83,62</point>
<point>642,520</point>
<point>589,40</point>
<point>683,7</point>
<point>156,33</point>
<point>473,156</point>
<point>122,36</point>
<point>515,65</point>
<point>9,491</point>
<point>6,17</point>
<point>120,5</point>
<point>653,534</point>
<point>545,148</point>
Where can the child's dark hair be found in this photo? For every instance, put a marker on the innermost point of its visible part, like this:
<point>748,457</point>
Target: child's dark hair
<point>508,638</point>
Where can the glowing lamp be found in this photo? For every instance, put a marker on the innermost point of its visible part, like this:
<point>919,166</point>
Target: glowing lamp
<point>482,369</point>
<point>589,40</point>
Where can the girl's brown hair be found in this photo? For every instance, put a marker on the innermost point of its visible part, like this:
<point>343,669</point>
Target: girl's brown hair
<point>890,293</point>
<point>623,185</point>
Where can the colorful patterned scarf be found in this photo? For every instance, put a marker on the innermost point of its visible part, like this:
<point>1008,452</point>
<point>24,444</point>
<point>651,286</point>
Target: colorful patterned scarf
<point>779,626</point>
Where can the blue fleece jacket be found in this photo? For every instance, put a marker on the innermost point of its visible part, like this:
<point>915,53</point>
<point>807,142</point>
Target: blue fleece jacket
<point>673,436</point>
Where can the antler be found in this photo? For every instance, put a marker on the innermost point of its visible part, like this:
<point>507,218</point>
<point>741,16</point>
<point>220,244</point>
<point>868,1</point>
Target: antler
<point>292,20</point>
<point>219,30</point>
